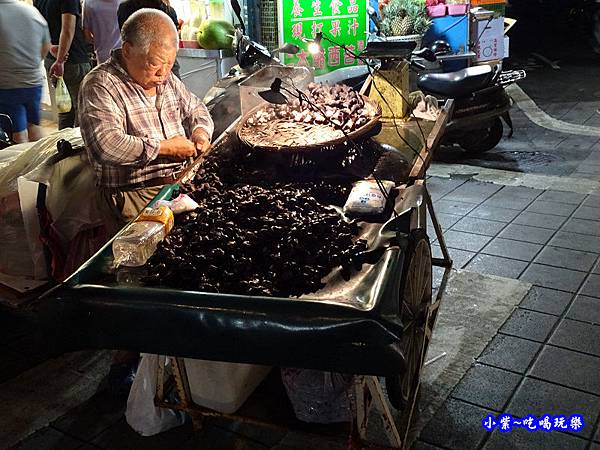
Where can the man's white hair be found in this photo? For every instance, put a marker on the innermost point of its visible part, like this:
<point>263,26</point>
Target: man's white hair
<point>147,26</point>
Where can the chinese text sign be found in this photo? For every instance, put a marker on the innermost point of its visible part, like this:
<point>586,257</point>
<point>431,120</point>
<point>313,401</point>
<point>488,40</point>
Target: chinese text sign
<point>342,21</point>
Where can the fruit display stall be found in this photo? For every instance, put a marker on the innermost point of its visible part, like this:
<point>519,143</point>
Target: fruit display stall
<point>270,270</point>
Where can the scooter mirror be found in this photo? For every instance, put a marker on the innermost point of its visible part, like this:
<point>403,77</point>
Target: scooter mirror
<point>249,53</point>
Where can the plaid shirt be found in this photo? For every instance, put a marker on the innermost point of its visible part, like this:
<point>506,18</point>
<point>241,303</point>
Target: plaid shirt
<point>122,128</point>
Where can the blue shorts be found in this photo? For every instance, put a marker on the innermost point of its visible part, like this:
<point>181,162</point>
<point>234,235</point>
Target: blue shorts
<point>22,105</point>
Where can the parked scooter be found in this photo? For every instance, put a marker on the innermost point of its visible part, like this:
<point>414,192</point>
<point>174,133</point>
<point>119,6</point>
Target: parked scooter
<point>481,101</point>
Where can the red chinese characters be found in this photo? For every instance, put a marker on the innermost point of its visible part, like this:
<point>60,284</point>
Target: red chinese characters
<point>333,56</point>
<point>297,30</point>
<point>336,29</point>
<point>335,7</point>
<point>316,7</point>
<point>316,28</point>
<point>353,7</point>
<point>297,10</point>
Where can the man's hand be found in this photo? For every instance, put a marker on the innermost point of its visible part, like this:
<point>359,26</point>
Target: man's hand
<point>57,69</point>
<point>178,147</point>
<point>201,140</point>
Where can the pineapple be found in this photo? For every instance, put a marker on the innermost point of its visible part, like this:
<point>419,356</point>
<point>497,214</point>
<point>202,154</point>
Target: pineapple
<point>422,24</point>
<point>404,17</point>
<point>407,26</point>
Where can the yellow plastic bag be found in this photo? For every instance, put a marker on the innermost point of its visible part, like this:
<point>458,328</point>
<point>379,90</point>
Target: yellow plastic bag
<point>61,94</point>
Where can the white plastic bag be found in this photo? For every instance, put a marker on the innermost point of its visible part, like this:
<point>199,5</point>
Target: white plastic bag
<point>61,94</point>
<point>367,197</point>
<point>141,413</point>
<point>181,204</point>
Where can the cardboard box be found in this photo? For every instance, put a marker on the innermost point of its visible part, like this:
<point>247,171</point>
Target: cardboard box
<point>488,39</point>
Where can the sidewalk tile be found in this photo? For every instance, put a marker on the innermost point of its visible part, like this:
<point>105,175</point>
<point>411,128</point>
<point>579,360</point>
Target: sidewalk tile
<point>580,336</point>
<point>586,309</point>
<point>445,220</point>
<point>574,241</point>
<point>589,213</point>
<point>473,192</point>
<point>549,301</point>
<point>522,439</point>
<point>91,418</point>
<point>524,251</point>
<point>597,435</point>
<point>553,277</point>
<point>465,241</point>
<point>525,233</point>
<point>520,192</point>
<point>596,269</point>
<point>591,169</point>
<point>569,259</point>
<point>122,436</point>
<point>571,369</point>
<point>478,226</point>
<point>456,426</point>
<point>592,200</point>
<point>494,213</point>
<point>459,257</point>
<point>438,187</point>
<point>453,207</point>
<point>501,201</point>
<point>538,397</point>
<point>496,265</point>
<point>591,286</point>
<point>48,439</point>
<point>529,325</point>
<point>539,220</point>
<point>562,197</point>
<point>486,386</point>
<point>509,352</point>
<point>582,226</point>
<point>594,446</point>
<point>554,208</point>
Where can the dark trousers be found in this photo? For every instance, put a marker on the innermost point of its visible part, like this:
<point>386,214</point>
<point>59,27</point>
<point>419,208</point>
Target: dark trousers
<point>74,73</point>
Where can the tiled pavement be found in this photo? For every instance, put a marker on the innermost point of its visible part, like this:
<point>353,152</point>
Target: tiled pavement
<point>546,357</point>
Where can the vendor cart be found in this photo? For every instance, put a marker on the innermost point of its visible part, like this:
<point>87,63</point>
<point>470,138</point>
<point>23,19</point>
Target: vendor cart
<point>377,325</point>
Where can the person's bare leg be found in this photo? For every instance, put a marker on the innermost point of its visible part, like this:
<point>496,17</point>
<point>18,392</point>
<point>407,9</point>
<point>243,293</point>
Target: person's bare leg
<point>20,136</point>
<point>35,132</point>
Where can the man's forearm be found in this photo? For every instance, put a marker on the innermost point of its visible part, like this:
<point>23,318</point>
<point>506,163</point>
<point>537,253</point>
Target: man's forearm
<point>67,33</point>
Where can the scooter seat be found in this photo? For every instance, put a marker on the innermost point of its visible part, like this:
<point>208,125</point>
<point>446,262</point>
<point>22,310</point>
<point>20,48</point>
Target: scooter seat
<point>456,84</point>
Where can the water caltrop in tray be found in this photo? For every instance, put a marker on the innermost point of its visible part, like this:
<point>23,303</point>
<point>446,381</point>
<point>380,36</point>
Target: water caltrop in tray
<point>333,114</point>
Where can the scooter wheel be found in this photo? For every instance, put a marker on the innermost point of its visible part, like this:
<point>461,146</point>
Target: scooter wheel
<point>479,141</point>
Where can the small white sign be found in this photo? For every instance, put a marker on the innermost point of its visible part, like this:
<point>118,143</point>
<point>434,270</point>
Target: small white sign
<point>489,39</point>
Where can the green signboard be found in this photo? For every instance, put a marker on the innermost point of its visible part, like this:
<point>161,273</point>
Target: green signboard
<point>343,21</point>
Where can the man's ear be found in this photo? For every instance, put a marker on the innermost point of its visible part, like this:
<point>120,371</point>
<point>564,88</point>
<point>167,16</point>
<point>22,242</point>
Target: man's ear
<point>126,50</point>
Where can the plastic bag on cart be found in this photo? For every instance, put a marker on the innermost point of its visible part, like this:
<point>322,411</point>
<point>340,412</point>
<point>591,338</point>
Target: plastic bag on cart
<point>141,413</point>
<point>319,397</point>
<point>22,253</point>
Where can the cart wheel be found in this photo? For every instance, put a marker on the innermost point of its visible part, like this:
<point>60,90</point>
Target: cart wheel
<point>415,294</point>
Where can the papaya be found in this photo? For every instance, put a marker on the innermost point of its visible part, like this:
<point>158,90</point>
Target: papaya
<point>216,34</point>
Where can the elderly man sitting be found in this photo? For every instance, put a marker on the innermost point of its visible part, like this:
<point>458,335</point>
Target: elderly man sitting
<point>140,124</point>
